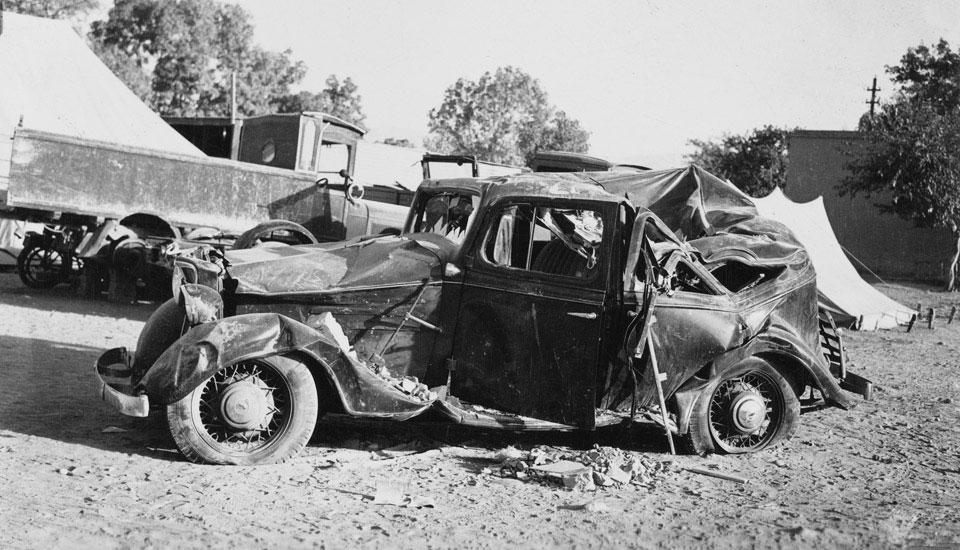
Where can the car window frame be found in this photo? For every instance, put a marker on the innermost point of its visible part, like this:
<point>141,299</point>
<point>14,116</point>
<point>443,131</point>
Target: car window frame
<point>494,213</point>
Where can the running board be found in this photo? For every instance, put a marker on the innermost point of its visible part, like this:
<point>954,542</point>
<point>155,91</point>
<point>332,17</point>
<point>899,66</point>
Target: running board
<point>483,417</point>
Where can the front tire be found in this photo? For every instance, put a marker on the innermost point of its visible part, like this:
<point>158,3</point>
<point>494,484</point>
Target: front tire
<point>252,412</point>
<point>748,408</point>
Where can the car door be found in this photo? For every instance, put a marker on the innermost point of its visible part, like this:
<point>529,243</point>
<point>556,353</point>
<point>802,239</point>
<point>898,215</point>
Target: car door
<point>532,309</point>
<point>694,319</point>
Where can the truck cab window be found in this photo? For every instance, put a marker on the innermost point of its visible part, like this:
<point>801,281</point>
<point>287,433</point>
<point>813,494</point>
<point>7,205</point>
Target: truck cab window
<point>307,159</point>
<point>333,157</point>
<point>549,240</point>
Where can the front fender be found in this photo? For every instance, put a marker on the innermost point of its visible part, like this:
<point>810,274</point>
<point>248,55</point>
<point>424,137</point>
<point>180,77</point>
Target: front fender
<point>208,347</point>
<point>779,348</point>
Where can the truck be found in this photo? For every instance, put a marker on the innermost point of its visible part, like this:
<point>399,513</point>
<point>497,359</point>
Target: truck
<point>282,177</point>
<point>537,301</point>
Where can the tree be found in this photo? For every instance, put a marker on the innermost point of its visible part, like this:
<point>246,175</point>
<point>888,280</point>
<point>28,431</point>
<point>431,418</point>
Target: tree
<point>340,99</point>
<point>53,9</point>
<point>189,49</point>
<point>755,162</point>
<point>502,117</point>
<point>126,69</point>
<point>910,163</point>
<point>931,77</point>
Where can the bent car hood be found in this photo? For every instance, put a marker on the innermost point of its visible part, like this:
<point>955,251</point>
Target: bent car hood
<point>357,263</point>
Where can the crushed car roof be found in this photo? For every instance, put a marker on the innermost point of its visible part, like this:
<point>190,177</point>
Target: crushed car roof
<point>715,217</point>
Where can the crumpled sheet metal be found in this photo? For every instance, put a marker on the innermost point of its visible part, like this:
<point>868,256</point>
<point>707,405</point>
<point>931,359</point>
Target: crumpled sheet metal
<point>357,263</point>
<point>716,218</point>
<point>202,351</point>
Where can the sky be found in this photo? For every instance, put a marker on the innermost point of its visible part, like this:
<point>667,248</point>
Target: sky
<point>642,76</point>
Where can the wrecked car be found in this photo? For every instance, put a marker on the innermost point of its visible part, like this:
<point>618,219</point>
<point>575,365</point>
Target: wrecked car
<point>527,302</point>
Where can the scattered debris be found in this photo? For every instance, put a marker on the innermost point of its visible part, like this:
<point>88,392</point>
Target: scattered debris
<point>113,430</point>
<point>393,494</point>
<point>389,493</point>
<point>581,481</point>
<point>593,506</point>
<point>509,453</point>
<point>728,477</point>
<point>563,468</point>
<point>576,470</point>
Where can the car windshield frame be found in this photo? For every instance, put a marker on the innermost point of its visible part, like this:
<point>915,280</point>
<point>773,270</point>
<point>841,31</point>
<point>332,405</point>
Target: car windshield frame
<point>451,217</point>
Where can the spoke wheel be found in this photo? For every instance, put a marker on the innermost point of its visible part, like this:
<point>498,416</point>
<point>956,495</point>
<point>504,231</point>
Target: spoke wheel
<point>251,412</point>
<point>40,267</point>
<point>748,408</point>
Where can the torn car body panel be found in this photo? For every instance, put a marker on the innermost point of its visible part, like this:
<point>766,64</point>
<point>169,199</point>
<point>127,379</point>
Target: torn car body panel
<point>207,348</point>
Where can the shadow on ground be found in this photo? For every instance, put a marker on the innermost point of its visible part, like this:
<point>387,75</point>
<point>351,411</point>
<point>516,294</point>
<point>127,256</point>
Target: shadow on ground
<point>63,298</point>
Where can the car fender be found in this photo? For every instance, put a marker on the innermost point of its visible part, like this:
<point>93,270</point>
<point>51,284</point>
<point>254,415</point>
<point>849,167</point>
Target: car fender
<point>202,351</point>
<point>778,347</point>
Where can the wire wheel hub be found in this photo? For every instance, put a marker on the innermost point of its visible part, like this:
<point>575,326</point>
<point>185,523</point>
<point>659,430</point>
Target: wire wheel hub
<point>243,406</point>
<point>748,412</point>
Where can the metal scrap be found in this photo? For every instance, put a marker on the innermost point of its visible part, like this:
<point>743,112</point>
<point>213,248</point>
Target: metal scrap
<point>578,470</point>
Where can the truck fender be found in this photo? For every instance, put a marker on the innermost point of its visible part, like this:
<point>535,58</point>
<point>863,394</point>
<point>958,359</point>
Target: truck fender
<point>201,352</point>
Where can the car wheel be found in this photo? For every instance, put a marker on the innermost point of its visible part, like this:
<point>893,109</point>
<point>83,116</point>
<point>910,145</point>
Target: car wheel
<point>748,408</point>
<point>277,231</point>
<point>40,267</point>
<point>251,412</point>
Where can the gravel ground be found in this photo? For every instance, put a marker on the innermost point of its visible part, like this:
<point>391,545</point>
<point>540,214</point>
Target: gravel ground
<point>77,475</point>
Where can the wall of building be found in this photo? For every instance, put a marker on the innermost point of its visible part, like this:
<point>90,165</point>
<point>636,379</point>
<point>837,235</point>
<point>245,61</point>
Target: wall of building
<point>888,245</point>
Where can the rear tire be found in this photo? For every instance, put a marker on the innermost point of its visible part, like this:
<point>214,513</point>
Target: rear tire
<point>748,408</point>
<point>252,412</point>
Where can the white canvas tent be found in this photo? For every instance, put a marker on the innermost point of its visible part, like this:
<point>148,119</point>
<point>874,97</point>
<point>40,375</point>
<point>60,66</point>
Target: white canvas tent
<point>51,81</point>
<point>848,297</point>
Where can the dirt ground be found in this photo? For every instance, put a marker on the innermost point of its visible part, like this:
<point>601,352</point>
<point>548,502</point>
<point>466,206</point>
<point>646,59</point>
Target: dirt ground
<point>75,474</point>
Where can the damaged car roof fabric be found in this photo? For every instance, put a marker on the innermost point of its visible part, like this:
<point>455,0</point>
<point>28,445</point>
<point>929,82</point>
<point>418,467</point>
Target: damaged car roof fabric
<point>716,218</point>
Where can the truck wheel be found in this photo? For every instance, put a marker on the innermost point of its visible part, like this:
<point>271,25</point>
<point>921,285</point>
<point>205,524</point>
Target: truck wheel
<point>746,409</point>
<point>275,231</point>
<point>40,267</point>
<point>251,412</point>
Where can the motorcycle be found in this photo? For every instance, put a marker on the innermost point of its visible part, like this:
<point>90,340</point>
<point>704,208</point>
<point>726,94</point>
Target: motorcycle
<point>49,258</point>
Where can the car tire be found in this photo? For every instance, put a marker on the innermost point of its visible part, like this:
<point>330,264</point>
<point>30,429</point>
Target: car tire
<point>748,408</point>
<point>282,231</point>
<point>40,267</point>
<point>252,412</point>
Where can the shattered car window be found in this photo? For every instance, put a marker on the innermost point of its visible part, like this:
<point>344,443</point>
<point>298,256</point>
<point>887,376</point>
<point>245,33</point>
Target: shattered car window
<point>688,280</point>
<point>547,240</point>
<point>739,277</point>
<point>447,214</point>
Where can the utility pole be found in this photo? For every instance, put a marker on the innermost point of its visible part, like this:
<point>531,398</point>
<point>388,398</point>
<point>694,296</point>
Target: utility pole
<point>873,96</point>
<point>233,97</point>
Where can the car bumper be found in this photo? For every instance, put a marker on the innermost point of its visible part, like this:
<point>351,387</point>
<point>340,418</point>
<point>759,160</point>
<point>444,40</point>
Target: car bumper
<point>857,384</point>
<point>114,371</point>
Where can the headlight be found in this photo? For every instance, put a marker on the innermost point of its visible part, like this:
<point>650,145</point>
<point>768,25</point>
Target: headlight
<point>183,273</point>
<point>201,303</point>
